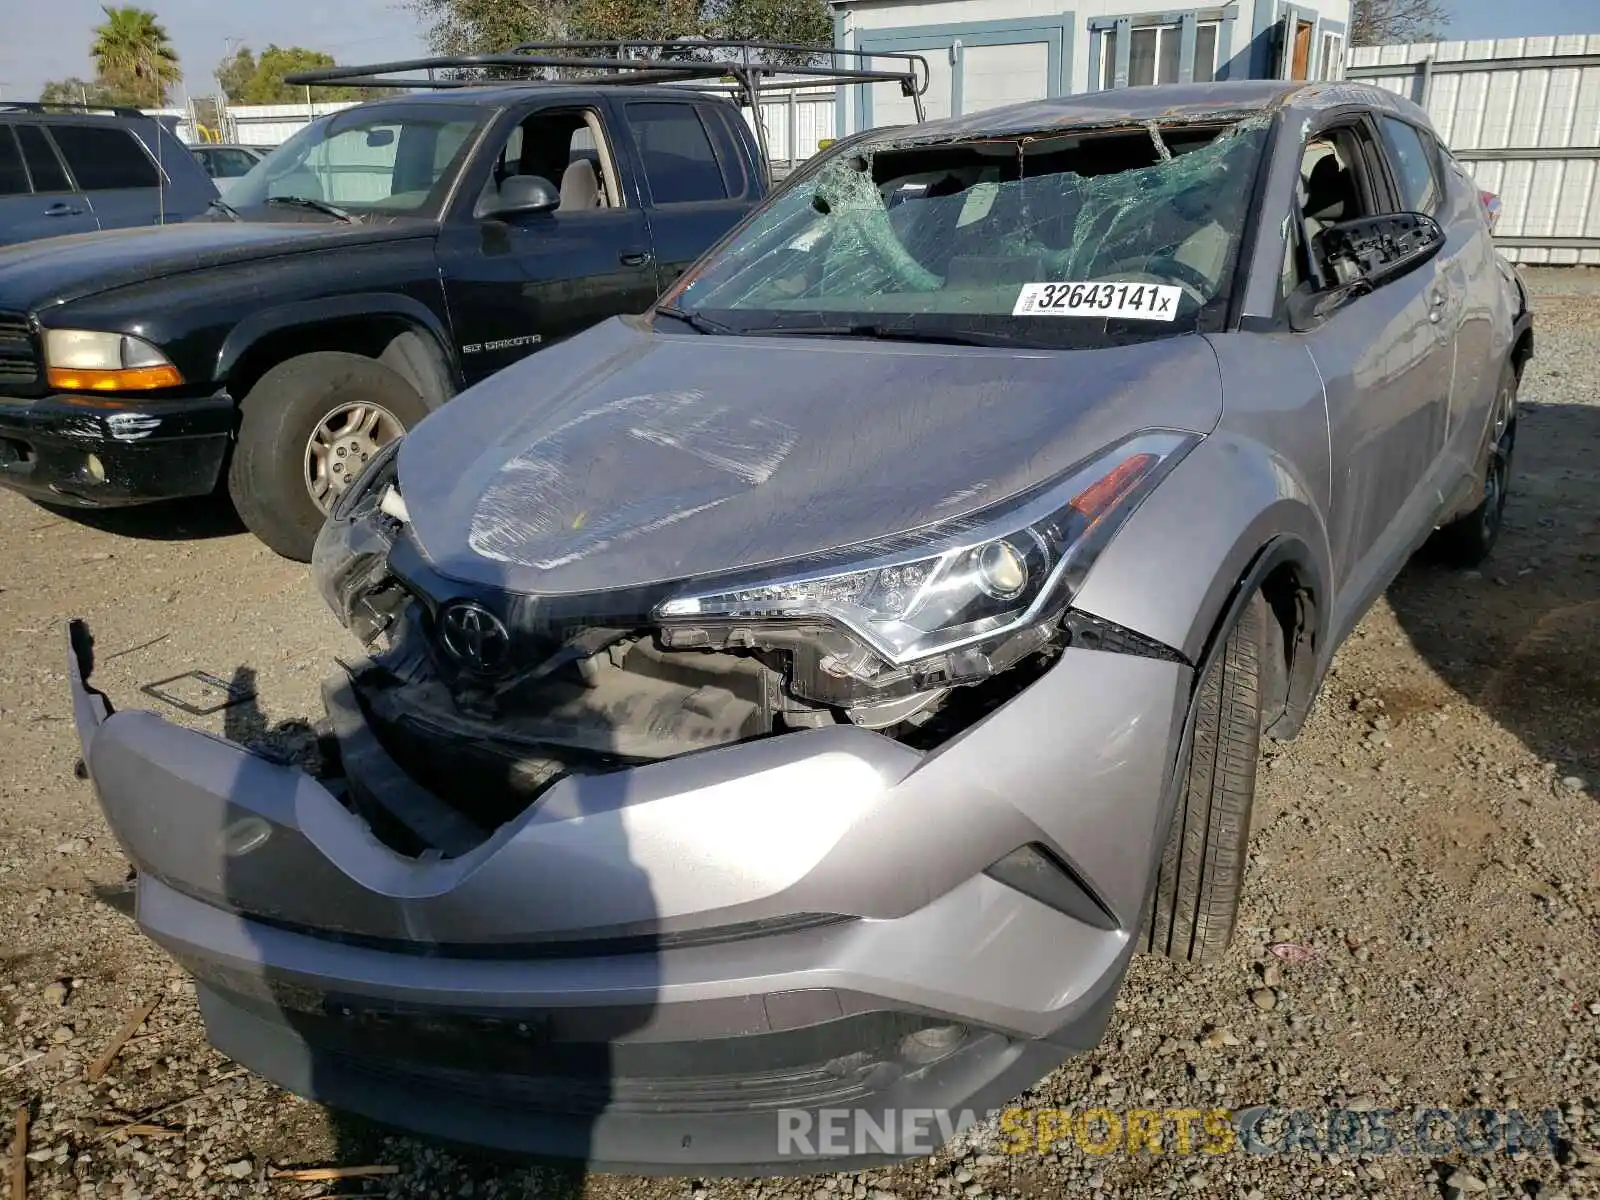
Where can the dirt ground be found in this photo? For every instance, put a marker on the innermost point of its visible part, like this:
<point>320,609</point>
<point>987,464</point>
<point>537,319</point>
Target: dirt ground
<point>1426,849</point>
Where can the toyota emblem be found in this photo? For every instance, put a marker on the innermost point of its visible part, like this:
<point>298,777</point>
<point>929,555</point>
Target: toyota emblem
<point>474,636</point>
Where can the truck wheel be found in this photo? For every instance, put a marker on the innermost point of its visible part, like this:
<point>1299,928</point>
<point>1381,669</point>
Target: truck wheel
<point>306,428</point>
<point>1196,897</point>
<point>1468,541</point>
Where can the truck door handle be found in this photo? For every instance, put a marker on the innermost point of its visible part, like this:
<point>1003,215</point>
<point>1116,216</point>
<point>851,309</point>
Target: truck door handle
<point>635,258</point>
<point>60,209</point>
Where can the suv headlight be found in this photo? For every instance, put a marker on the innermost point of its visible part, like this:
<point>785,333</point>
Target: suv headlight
<point>965,582</point>
<point>86,360</point>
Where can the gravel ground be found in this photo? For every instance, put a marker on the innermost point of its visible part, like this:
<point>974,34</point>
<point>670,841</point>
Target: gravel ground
<point>1426,847</point>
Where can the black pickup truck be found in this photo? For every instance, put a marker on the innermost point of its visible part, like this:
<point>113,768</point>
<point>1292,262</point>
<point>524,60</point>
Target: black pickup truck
<point>384,258</point>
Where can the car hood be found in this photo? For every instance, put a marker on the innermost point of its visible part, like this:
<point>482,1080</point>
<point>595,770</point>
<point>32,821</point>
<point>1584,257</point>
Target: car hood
<point>624,457</point>
<point>35,275</point>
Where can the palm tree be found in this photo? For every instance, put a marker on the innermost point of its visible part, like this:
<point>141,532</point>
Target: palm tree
<point>131,49</point>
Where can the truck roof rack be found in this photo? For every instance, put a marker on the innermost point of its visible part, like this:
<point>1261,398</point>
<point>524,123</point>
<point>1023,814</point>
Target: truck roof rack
<point>744,68</point>
<point>40,106</point>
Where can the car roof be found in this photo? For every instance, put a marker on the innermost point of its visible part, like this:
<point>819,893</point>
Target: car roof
<point>1230,99</point>
<point>513,93</point>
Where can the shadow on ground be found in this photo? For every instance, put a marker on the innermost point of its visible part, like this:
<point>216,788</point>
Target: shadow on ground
<point>198,519</point>
<point>1518,637</point>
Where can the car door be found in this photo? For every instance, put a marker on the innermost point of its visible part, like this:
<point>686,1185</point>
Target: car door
<point>1467,286</point>
<point>46,204</point>
<point>520,281</point>
<point>113,168</point>
<point>690,174</point>
<point>1386,371</point>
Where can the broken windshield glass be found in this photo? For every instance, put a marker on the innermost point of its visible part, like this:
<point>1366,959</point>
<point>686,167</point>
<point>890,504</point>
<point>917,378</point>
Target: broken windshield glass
<point>999,235</point>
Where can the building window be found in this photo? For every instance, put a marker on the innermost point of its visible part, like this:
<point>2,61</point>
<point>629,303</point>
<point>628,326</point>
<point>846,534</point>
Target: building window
<point>1154,54</point>
<point>1332,57</point>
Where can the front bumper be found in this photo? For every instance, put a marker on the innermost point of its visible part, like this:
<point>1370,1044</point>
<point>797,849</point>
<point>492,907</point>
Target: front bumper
<point>663,968</point>
<point>63,450</point>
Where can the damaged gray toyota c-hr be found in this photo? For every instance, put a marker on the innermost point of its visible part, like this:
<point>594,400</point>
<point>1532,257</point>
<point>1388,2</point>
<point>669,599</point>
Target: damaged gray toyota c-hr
<point>806,697</point>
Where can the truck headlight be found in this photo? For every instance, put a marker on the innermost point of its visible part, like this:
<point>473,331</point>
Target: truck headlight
<point>85,360</point>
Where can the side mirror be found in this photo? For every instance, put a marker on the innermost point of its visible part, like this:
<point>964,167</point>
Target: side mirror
<point>523,194</point>
<point>1378,249</point>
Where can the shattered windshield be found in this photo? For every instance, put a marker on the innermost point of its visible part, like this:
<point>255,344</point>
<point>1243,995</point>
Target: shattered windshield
<point>1064,238</point>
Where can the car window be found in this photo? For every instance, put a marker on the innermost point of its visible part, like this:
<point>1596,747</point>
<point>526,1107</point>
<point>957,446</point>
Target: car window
<point>13,178</point>
<point>1079,238</point>
<point>548,144</point>
<point>43,165</point>
<point>364,159</point>
<point>1413,165</point>
<point>679,163</point>
<point>229,164</point>
<point>727,146</point>
<point>102,158</point>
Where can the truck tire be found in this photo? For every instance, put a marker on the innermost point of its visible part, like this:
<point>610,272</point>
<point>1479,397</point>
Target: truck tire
<point>1195,901</point>
<point>1467,541</point>
<point>305,429</point>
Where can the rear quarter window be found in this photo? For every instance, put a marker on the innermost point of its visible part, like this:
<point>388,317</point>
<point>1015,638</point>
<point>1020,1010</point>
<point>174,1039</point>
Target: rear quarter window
<point>726,139</point>
<point>43,165</point>
<point>13,178</point>
<point>104,158</point>
<point>1414,156</point>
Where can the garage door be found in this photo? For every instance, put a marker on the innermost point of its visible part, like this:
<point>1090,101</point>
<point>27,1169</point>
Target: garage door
<point>889,107</point>
<point>994,76</point>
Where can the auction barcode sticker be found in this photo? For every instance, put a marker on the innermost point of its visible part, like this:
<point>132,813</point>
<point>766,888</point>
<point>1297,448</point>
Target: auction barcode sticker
<point>1139,301</point>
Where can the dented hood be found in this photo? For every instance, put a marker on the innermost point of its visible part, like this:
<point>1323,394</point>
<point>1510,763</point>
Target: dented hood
<point>626,457</point>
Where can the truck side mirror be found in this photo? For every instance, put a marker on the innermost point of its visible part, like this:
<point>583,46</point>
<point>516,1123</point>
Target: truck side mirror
<point>520,194</point>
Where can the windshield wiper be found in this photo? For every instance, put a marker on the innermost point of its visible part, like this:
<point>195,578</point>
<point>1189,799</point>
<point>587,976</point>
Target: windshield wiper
<point>694,320</point>
<point>890,333</point>
<point>222,206</point>
<point>320,206</point>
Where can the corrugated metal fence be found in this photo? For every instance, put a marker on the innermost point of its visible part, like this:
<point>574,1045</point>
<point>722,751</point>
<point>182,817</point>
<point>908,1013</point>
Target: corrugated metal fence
<point>1523,115</point>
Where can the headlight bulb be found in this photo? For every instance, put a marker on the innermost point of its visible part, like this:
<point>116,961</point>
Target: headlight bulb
<point>1002,573</point>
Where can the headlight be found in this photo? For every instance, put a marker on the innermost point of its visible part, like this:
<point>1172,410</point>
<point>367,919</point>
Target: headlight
<point>88,361</point>
<point>970,581</point>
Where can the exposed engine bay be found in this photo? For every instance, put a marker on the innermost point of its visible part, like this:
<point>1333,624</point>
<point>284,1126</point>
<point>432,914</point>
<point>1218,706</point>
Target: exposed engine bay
<point>610,698</point>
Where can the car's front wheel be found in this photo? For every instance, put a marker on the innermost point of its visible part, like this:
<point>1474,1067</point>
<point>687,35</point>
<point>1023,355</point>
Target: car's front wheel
<point>1196,898</point>
<point>306,429</point>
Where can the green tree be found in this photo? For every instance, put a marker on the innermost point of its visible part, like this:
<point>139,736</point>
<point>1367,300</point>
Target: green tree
<point>246,79</point>
<point>131,51</point>
<point>85,91</point>
<point>494,26</point>
<point>235,72</point>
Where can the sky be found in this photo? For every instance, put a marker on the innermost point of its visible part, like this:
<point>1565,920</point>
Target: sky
<point>50,40</point>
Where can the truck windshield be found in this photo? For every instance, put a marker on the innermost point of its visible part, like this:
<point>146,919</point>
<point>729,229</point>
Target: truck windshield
<point>1057,239</point>
<point>395,161</point>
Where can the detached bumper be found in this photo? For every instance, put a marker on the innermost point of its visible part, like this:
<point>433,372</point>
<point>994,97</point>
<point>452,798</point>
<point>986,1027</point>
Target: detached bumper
<point>62,450</point>
<point>664,969</point>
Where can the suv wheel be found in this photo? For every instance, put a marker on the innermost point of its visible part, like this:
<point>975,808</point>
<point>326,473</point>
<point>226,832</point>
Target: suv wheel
<point>1195,902</point>
<point>306,429</point>
<point>1466,542</point>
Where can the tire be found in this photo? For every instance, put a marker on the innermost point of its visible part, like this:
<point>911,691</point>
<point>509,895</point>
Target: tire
<point>1195,902</point>
<point>1467,541</point>
<point>268,476</point>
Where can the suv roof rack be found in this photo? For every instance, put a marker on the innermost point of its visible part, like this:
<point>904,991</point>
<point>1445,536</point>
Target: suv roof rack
<point>744,68</point>
<point>40,106</point>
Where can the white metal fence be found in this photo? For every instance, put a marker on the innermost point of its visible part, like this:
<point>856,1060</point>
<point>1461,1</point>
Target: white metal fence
<point>1523,115</point>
